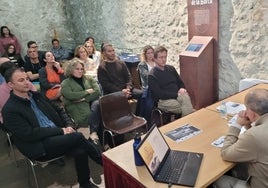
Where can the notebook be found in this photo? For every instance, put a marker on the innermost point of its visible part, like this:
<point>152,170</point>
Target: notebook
<point>166,165</point>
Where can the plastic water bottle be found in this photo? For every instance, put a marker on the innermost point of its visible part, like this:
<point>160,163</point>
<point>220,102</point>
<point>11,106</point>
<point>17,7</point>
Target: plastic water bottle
<point>137,157</point>
<point>223,110</point>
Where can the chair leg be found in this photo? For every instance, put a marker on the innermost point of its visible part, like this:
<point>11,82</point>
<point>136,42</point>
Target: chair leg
<point>33,171</point>
<point>111,134</point>
<point>159,114</point>
<point>12,148</point>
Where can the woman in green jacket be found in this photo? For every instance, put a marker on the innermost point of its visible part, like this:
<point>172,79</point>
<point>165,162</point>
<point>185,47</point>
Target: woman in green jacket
<point>80,96</point>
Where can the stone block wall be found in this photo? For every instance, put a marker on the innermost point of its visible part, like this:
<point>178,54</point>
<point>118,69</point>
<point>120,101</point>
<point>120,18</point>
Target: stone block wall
<point>132,24</point>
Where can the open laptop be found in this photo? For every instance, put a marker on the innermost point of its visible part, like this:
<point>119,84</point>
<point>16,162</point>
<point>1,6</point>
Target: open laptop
<point>166,165</point>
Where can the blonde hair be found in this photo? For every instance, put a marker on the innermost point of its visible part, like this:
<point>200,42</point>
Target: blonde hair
<point>76,52</point>
<point>72,64</point>
<point>144,51</point>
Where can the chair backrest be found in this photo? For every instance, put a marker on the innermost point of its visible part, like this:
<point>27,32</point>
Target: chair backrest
<point>115,110</point>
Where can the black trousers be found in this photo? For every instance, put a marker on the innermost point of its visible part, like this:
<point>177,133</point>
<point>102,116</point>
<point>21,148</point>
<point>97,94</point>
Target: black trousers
<point>77,146</point>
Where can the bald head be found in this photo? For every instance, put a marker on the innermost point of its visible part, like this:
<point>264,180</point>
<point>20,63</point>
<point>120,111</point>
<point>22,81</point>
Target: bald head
<point>257,101</point>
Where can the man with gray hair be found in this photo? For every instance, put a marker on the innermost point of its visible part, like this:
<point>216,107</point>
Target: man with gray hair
<point>251,146</point>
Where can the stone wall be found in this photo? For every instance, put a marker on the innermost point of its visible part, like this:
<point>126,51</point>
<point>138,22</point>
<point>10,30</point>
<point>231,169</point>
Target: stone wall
<point>132,24</point>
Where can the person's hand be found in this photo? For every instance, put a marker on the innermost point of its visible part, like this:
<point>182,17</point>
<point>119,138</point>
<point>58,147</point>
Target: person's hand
<point>127,92</point>
<point>68,130</point>
<point>56,86</point>
<point>242,119</point>
<point>56,64</point>
<point>90,90</point>
<point>182,91</point>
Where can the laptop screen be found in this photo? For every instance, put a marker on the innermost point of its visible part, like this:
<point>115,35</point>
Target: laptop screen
<point>153,149</point>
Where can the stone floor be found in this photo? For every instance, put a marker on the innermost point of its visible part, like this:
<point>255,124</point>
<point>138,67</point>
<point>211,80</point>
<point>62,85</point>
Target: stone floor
<point>50,176</point>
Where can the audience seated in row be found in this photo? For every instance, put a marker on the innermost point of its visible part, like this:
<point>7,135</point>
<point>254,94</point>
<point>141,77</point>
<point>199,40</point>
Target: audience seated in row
<point>42,131</point>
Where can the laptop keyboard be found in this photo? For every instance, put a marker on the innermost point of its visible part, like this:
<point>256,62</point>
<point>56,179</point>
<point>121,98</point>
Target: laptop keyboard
<point>173,167</point>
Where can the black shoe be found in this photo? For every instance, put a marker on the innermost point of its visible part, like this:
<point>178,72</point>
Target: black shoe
<point>59,162</point>
<point>88,185</point>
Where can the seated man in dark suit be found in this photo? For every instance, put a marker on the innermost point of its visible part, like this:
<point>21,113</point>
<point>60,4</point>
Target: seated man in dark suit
<point>42,131</point>
<point>167,87</point>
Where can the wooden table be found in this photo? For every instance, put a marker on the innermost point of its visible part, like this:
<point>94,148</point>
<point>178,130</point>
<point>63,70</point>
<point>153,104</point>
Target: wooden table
<point>238,97</point>
<point>120,170</point>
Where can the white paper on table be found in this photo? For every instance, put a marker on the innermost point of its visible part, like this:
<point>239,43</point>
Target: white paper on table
<point>233,108</point>
<point>219,142</point>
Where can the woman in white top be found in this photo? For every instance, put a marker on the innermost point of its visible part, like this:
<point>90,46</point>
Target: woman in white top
<point>93,53</point>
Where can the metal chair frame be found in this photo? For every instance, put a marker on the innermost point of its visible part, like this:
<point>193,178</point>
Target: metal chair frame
<point>34,163</point>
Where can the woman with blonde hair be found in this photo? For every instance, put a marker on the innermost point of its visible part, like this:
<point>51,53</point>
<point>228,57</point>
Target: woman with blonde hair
<point>80,97</point>
<point>146,64</point>
<point>93,53</point>
<point>82,53</point>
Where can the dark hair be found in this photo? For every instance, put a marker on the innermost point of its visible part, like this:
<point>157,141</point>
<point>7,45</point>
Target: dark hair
<point>53,40</point>
<point>159,49</point>
<point>90,38</point>
<point>104,45</point>
<point>30,43</point>
<point>2,32</point>
<point>6,50</point>
<point>5,69</point>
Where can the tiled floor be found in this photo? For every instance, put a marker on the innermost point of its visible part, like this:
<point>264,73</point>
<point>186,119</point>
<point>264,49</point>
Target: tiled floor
<point>51,176</point>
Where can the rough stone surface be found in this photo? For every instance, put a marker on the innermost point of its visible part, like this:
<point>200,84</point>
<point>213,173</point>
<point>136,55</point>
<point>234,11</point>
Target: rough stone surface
<point>130,25</point>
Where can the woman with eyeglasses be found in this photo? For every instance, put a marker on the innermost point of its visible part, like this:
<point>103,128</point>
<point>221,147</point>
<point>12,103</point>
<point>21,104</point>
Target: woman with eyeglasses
<point>80,97</point>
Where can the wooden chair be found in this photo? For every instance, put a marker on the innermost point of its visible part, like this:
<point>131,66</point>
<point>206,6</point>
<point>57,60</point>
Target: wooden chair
<point>117,117</point>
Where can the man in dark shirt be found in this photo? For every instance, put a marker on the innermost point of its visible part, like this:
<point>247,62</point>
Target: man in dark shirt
<point>33,45</point>
<point>114,75</point>
<point>33,65</point>
<point>167,87</point>
<point>42,131</point>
